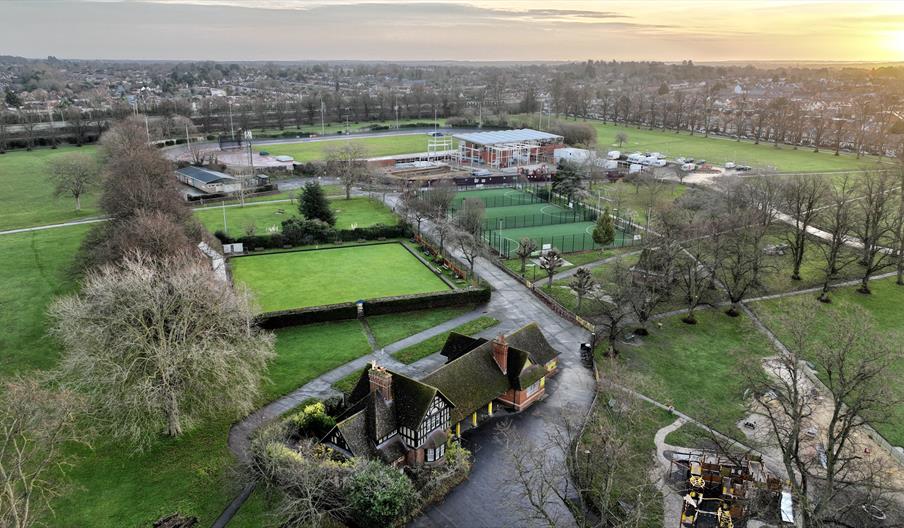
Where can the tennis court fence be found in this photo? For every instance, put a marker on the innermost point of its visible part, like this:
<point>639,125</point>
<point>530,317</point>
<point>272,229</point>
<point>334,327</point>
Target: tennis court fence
<point>563,243</point>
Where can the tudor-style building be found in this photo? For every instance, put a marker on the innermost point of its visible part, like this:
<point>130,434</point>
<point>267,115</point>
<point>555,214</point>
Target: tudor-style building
<point>407,421</point>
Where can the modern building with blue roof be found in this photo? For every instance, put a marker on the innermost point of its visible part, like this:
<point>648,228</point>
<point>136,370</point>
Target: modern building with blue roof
<point>507,148</point>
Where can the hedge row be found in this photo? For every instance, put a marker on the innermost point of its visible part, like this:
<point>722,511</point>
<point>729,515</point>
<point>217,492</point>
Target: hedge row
<point>279,240</point>
<point>384,305</point>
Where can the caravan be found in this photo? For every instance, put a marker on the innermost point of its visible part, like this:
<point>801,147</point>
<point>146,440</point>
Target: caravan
<point>614,155</point>
<point>637,157</point>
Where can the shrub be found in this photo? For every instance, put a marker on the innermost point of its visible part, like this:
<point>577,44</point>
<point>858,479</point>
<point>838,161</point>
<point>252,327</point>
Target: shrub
<point>301,232</point>
<point>309,168</point>
<point>312,421</point>
<point>379,495</point>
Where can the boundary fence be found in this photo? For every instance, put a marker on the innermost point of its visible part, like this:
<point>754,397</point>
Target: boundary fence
<point>564,243</point>
<point>571,212</point>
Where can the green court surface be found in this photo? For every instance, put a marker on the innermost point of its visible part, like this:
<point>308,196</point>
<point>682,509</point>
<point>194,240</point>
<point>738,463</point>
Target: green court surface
<point>298,279</point>
<point>497,197</point>
<point>567,238</point>
<point>512,214</point>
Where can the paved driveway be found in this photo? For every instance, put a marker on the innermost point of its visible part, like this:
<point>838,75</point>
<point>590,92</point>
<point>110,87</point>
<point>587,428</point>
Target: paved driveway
<point>481,500</point>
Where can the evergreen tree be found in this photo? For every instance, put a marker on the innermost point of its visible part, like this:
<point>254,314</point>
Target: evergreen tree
<point>313,204</point>
<point>604,231</point>
<point>567,179</point>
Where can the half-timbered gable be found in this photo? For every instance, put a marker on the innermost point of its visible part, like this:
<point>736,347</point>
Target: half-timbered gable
<point>399,418</point>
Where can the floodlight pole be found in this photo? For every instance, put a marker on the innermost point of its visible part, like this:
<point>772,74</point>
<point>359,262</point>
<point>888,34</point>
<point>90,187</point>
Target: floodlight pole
<point>231,126</point>
<point>321,117</point>
<point>224,217</point>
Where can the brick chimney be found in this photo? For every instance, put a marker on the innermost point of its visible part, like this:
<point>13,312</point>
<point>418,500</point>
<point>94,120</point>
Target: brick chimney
<point>380,381</point>
<point>500,353</point>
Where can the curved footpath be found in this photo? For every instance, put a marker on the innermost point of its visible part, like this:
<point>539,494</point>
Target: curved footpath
<point>478,501</point>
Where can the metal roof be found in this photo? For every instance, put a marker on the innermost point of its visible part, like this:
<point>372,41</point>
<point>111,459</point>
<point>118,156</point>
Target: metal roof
<point>505,136</point>
<point>205,175</point>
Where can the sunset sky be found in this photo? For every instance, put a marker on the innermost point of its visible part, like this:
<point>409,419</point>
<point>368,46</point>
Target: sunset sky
<point>454,30</point>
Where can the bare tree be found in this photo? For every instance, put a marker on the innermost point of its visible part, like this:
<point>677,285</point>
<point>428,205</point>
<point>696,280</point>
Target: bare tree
<point>816,426</point>
<point>470,216</point>
<point>526,248</point>
<point>621,138</point>
<point>836,220</point>
<point>348,162</point>
<point>74,174</point>
<point>440,197</point>
<point>471,247</point>
<point>899,230</point>
<point>581,284</point>
<point>610,472</point>
<point>614,309</point>
<point>415,207</point>
<point>158,346</point>
<point>539,489</point>
<point>800,196</point>
<point>36,425</point>
<point>550,262</point>
<point>875,216</point>
<point>740,261</point>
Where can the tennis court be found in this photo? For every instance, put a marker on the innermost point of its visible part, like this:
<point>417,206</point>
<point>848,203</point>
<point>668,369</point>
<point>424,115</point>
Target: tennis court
<point>512,214</point>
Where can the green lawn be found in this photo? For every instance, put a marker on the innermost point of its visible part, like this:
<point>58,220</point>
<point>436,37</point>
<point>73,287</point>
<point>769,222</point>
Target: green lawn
<point>26,193</point>
<point>34,269</point>
<point>435,344</point>
<point>333,128</point>
<point>356,212</point>
<point>886,305</point>
<point>108,486</point>
<point>389,328</point>
<point>375,146</point>
<point>719,150</point>
<point>695,367</point>
<point>312,278</point>
<point>624,199</point>
<point>305,352</point>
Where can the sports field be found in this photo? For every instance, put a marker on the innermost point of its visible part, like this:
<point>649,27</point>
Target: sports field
<point>375,146</point>
<point>299,279</point>
<point>718,150</point>
<point>512,214</point>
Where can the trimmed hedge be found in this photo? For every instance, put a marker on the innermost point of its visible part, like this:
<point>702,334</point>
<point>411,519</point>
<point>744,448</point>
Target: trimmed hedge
<point>426,301</point>
<point>383,305</point>
<point>309,315</point>
<point>279,240</point>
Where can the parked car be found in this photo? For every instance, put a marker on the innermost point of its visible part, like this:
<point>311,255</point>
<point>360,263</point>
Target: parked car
<point>435,134</point>
<point>729,165</point>
<point>743,168</point>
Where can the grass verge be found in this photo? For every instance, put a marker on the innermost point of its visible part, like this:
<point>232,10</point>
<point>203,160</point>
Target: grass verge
<point>434,344</point>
